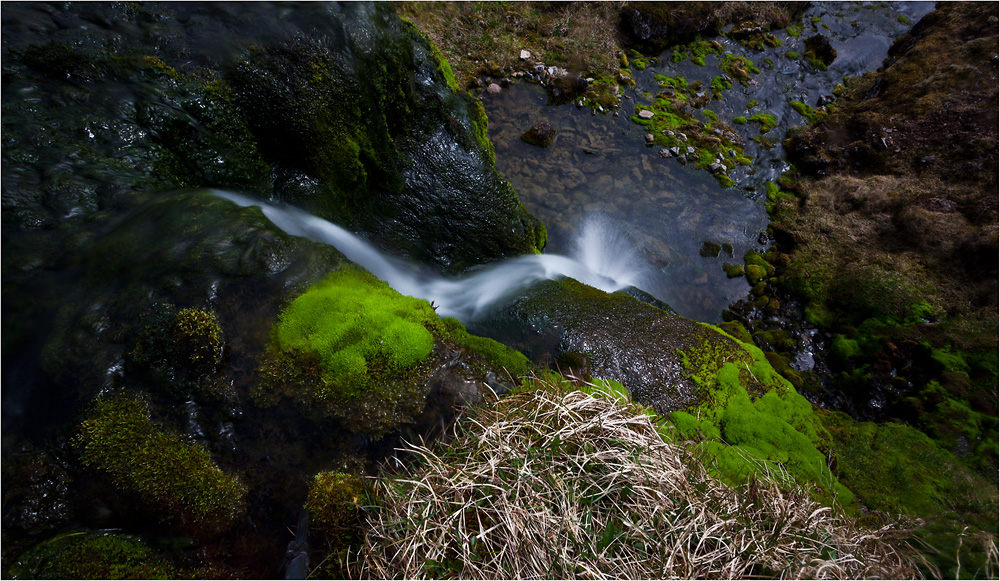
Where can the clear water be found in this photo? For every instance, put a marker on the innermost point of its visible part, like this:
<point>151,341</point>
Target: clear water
<point>599,165</point>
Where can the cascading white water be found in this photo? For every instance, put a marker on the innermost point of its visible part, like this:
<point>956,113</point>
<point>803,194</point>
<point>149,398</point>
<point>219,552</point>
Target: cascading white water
<point>603,259</point>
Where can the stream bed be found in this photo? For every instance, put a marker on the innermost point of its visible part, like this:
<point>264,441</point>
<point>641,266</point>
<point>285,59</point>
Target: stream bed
<point>598,164</point>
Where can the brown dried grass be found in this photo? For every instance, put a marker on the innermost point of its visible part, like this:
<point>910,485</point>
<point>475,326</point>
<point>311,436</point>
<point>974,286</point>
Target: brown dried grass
<point>556,483</point>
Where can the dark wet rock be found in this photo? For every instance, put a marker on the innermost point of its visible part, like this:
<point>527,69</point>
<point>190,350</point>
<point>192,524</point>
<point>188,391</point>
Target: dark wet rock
<point>710,250</point>
<point>625,339</point>
<point>818,47</point>
<point>539,134</point>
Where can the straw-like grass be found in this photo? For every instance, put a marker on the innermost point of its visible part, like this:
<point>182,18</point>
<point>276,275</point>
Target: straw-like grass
<point>556,483</point>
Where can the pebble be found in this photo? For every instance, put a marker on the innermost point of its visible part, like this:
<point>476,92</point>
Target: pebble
<point>649,138</point>
<point>493,89</point>
<point>690,150</point>
<point>665,152</point>
<point>646,114</point>
<point>525,55</point>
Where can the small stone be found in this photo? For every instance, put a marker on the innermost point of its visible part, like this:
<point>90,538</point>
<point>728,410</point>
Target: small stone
<point>518,75</point>
<point>646,114</point>
<point>675,151</point>
<point>525,55</point>
<point>493,89</point>
<point>540,134</point>
<point>649,138</point>
<point>665,153</point>
<point>716,167</point>
<point>682,136</point>
<point>690,150</point>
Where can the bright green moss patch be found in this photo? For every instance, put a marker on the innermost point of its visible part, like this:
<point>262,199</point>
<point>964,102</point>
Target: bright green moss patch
<point>759,422</point>
<point>360,329</point>
<point>169,473</point>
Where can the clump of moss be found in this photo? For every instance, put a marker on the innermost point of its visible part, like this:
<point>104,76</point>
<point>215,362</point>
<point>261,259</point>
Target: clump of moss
<point>171,475</point>
<point>353,348</point>
<point>360,329</point>
<point>896,469</point>
<point>179,351</point>
<point>197,338</point>
<point>333,501</point>
<point>765,120</point>
<point>90,555</point>
<point>752,421</point>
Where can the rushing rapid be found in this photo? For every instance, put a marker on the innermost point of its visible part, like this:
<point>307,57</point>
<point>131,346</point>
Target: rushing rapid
<point>602,258</point>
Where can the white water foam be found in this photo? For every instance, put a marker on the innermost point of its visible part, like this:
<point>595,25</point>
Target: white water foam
<point>603,259</point>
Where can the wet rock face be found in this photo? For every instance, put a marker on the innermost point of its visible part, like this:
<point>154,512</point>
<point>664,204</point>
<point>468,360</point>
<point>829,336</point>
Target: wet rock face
<point>623,338</point>
<point>343,109</point>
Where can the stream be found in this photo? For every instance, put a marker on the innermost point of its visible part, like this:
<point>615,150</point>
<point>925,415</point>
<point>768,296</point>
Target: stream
<point>599,164</point>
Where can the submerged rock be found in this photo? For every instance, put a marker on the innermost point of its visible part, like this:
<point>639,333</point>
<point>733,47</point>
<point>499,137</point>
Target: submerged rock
<point>539,134</point>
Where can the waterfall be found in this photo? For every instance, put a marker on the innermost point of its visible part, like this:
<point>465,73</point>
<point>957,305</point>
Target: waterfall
<point>603,258</point>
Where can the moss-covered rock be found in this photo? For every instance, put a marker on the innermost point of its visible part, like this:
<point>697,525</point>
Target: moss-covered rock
<point>352,348</point>
<point>171,476</point>
<point>93,555</point>
<point>395,150</point>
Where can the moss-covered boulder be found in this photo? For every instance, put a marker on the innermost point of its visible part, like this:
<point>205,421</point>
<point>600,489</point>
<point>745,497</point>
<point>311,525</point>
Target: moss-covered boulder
<point>352,348</point>
<point>170,476</point>
<point>370,117</point>
<point>93,555</point>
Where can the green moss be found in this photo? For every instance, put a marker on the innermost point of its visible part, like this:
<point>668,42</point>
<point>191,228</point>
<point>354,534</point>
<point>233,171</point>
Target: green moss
<point>361,330</point>
<point>902,19</point>
<point>87,555</point>
<point>197,338</point>
<point>762,422</point>
<point>899,470</point>
<point>741,120</point>
<point>739,68</point>
<point>333,500</point>
<point>755,273</point>
<point>167,472</point>
<point>498,354</point>
<point>792,55</point>
<point>712,115</point>
<point>765,120</point>
<point>806,111</point>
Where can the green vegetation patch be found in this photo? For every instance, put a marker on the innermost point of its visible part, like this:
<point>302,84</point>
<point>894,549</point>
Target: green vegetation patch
<point>360,329</point>
<point>896,469</point>
<point>169,473</point>
<point>753,422</point>
<point>766,121</point>
<point>87,555</point>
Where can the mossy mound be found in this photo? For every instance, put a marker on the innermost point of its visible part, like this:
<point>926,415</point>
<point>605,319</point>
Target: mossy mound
<point>360,329</point>
<point>353,348</point>
<point>896,469</point>
<point>171,476</point>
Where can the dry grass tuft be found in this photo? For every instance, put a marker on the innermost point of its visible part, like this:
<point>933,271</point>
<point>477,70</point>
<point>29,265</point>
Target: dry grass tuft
<point>556,483</point>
